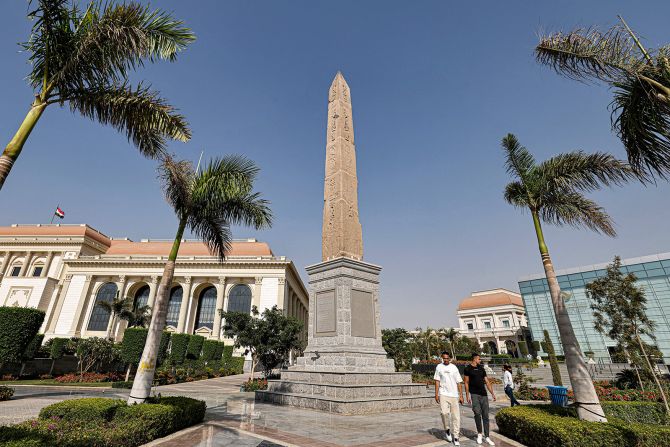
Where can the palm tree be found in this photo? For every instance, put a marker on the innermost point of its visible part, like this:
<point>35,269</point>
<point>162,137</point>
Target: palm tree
<point>641,81</point>
<point>117,308</point>
<point>208,202</point>
<point>83,57</point>
<point>450,336</point>
<point>553,193</point>
<point>137,316</point>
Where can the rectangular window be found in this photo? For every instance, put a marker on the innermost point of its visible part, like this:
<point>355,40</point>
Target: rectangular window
<point>16,270</point>
<point>505,323</point>
<point>487,325</point>
<point>470,326</point>
<point>37,271</point>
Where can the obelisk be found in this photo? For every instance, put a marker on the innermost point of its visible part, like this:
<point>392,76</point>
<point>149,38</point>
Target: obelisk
<point>341,234</point>
<point>344,368</point>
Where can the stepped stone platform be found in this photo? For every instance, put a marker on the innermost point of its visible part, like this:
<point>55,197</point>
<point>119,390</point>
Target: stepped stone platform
<point>347,393</point>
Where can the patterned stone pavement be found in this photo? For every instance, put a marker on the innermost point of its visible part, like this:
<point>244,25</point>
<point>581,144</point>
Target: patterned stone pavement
<point>234,419</point>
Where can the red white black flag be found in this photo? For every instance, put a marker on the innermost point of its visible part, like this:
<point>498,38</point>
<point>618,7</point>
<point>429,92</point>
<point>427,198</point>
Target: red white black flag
<point>59,212</point>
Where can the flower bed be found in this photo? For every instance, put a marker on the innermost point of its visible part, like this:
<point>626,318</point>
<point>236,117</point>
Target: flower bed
<point>100,422</point>
<point>549,426</point>
<point>90,377</point>
<point>255,385</point>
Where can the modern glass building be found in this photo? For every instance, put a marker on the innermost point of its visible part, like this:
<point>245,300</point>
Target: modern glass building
<point>653,273</point>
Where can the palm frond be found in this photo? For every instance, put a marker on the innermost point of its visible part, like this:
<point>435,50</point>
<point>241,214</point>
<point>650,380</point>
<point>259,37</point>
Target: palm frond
<point>573,209</point>
<point>213,229</point>
<point>112,39</point>
<point>517,195</point>
<point>583,172</point>
<point>177,179</point>
<point>589,53</point>
<point>518,160</point>
<point>642,122</point>
<point>145,117</point>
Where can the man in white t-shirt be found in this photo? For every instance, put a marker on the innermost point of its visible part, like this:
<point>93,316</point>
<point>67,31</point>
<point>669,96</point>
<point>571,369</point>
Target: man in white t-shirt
<point>449,394</point>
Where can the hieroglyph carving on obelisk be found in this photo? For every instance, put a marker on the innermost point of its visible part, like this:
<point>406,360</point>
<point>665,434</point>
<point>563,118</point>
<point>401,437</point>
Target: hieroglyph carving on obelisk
<point>342,235</point>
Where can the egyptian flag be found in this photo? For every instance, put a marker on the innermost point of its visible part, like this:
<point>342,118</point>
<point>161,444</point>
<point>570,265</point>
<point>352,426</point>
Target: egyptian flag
<point>59,212</point>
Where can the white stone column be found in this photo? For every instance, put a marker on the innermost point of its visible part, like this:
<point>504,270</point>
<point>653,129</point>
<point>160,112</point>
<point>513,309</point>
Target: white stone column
<point>47,264</point>
<point>220,296</point>
<point>183,310</point>
<point>5,262</point>
<point>256,293</point>
<point>281,294</point>
<point>79,316</point>
<point>60,297</point>
<point>26,262</point>
<point>153,287</point>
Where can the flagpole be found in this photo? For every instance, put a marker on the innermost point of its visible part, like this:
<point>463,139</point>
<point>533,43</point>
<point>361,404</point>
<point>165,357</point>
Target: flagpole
<point>197,169</point>
<point>53,215</point>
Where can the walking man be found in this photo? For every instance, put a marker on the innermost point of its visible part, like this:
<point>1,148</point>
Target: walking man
<point>476,384</point>
<point>449,394</point>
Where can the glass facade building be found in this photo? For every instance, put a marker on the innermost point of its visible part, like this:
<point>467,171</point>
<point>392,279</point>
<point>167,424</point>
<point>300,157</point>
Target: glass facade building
<point>653,273</point>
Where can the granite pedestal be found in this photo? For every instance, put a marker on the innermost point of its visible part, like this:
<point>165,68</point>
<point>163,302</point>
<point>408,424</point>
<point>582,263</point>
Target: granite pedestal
<point>344,368</point>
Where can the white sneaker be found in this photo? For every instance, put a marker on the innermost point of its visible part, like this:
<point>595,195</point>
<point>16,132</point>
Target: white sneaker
<point>488,441</point>
<point>479,439</point>
<point>447,435</point>
<point>456,441</point>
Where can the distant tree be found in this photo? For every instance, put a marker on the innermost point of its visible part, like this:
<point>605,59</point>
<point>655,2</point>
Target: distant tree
<point>83,58</point>
<point>116,308</point>
<point>270,337</point>
<point>397,343</point>
<point>449,337</point>
<point>94,350</point>
<point>553,361</point>
<point>137,316</point>
<point>620,311</point>
<point>641,82</point>
<point>553,192</point>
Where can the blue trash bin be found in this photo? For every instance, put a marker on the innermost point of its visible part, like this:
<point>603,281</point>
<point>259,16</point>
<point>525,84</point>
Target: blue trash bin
<point>558,395</point>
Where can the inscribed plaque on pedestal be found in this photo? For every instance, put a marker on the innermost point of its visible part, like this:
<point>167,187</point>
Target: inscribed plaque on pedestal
<point>326,314</point>
<point>362,314</point>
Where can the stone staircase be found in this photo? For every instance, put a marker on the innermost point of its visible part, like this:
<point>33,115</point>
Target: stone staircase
<point>347,393</point>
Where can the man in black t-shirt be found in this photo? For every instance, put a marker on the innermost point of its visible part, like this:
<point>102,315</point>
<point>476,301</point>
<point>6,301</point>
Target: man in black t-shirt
<point>476,384</point>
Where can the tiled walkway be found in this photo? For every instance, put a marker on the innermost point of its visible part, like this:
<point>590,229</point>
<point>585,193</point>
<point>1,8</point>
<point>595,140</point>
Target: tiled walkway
<point>234,419</point>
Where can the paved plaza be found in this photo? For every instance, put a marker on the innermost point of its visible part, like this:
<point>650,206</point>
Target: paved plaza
<point>234,419</point>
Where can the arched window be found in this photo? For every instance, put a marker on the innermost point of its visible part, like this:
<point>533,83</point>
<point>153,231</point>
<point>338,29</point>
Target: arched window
<point>174,305</point>
<point>206,309</point>
<point>100,316</point>
<point>239,299</point>
<point>141,297</point>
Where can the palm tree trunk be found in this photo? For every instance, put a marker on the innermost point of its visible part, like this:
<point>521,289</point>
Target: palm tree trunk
<point>144,375</point>
<point>588,405</point>
<point>653,373</point>
<point>13,149</point>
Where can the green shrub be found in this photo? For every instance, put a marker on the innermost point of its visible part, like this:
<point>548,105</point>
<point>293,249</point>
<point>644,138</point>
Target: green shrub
<point>194,346</point>
<point>637,412</point>
<point>536,346</point>
<point>14,436</point>
<point>549,426</point>
<point>553,361</point>
<point>190,411</point>
<point>6,393</point>
<point>178,345</point>
<point>33,347</point>
<point>58,346</point>
<point>163,347</point>
<point>227,352</point>
<point>132,345</point>
<point>523,348</point>
<point>88,409</point>
<point>18,327</point>
<point>220,347</point>
<point>124,385</point>
<point>157,419</point>
<point>209,350</point>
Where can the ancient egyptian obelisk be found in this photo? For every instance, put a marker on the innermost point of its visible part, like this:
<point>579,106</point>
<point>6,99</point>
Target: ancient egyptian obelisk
<point>341,235</point>
<point>344,368</point>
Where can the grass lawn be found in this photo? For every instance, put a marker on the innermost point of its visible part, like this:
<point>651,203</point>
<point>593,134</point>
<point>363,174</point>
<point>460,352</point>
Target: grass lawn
<point>53,382</point>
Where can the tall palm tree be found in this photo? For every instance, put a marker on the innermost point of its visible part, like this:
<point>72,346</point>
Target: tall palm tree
<point>553,193</point>
<point>82,58</point>
<point>207,202</point>
<point>137,316</point>
<point>641,81</point>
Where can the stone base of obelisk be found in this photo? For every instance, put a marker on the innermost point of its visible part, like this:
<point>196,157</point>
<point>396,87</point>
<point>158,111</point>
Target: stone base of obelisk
<point>344,368</point>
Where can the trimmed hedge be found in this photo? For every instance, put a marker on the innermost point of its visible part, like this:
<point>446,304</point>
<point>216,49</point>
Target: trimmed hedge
<point>6,392</point>
<point>163,347</point>
<point>536,346</point>
<point>549,426</point>
<point>58,346</point>
<point>178,345</point>
<point>220,347</point>
<point>92,422</point>
<point>33,347</point>
<point>236,364</point>
<point>18,327</point>
<point>134,339</point>
<point>523,348</point>
<point>123,385</point>
<point>194,346</point>
<point>227,352</point>
<point>640,412</point>
<point>209,350</point>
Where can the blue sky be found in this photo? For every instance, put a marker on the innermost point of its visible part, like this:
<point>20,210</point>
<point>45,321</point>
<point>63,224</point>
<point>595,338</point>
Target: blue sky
<point>435,86</point>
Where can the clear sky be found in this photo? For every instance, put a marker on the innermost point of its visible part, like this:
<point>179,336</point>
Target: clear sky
<point>435,86</point>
